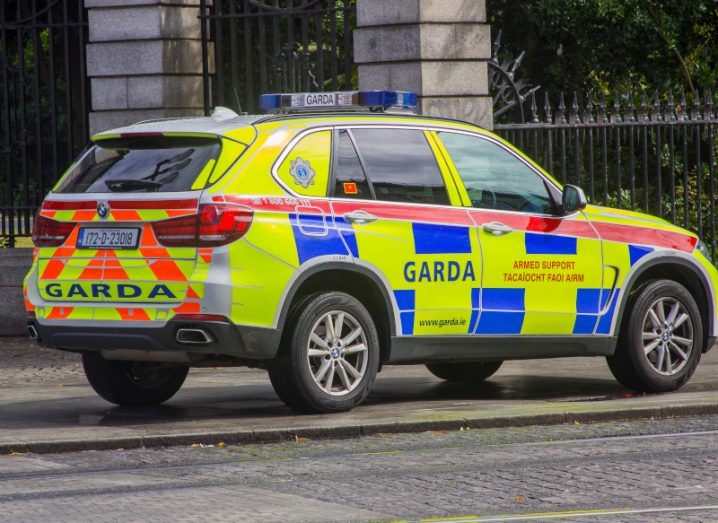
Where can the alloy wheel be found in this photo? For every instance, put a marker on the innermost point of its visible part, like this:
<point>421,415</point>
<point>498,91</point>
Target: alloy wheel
<point>337,352</point>
<point>667,336</point>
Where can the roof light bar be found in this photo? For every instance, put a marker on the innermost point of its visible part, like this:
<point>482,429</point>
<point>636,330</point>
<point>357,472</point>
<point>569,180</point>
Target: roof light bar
<point>339,101</point>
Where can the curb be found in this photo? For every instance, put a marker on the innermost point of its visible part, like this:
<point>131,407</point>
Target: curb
<point>246,437</point>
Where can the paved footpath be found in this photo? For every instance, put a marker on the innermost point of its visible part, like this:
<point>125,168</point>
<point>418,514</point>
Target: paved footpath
<point>46,404</point>
<point>648,471</point>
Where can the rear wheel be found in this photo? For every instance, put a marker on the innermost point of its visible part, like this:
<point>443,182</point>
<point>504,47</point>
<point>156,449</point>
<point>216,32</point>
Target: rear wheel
<point>133,383</point>
<point>329,358</point>
<point>464,372</point>
<point>660,342</point>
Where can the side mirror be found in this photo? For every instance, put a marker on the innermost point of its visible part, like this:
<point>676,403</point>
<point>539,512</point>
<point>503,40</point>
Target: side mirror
<point>573,199</point>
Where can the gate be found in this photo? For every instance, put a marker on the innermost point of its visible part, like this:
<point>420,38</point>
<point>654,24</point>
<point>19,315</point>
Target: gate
<point>654,154</point>
<point>43,103</point>
<point>275,46</point>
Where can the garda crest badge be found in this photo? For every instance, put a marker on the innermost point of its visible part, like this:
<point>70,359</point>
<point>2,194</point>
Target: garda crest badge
<point>302,172</point>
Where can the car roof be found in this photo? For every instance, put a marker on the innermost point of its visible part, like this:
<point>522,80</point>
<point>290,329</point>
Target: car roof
<point>224,121</point>
<point>190,124</point>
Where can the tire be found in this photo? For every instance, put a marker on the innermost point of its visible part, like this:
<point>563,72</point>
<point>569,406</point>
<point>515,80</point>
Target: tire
<point>130,383</point>
<point>278,382</point>
<point>300,374</point>
<point>464,372</point>
<point>639,365</point>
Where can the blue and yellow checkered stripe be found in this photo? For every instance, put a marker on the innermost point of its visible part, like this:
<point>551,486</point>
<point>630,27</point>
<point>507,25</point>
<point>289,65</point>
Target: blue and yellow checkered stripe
<point>483,310</point>
<point>503,310</point>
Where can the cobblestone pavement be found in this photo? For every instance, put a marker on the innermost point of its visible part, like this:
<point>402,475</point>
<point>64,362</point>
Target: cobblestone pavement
<point>461,475</point>
<point>46,404</point>
<point>22,362</point>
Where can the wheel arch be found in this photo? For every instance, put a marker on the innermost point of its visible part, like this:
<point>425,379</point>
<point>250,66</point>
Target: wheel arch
<point>682,270</point>
<point>361,282</point>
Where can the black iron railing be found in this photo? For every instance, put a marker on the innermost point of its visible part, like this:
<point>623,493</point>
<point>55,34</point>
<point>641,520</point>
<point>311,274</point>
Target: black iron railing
<point>43,103</point>
<point>655,155</point>
<point>275,46</point>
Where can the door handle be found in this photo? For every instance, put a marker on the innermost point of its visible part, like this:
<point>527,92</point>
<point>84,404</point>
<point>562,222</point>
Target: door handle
<point>360,217</point>
<point>497,228</point>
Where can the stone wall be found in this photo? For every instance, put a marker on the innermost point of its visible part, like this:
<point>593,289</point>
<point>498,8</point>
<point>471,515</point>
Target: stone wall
<point>14,264</point>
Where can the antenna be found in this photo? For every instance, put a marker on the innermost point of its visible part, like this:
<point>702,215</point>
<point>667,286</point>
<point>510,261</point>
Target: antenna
<point>236,98</point>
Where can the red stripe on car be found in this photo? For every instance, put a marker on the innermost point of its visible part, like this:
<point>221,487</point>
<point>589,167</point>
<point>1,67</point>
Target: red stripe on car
<point>646,236</point>
<point>459,216</point>
<point>420,213</point>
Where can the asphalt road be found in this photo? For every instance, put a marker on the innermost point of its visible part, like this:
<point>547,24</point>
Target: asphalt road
<point>653,471</point>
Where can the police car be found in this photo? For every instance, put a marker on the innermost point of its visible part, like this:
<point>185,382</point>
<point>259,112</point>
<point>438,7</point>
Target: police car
<point>338,233</point>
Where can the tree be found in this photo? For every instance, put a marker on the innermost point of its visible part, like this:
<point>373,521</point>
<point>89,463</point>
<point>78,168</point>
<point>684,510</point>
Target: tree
<point>612,45</point>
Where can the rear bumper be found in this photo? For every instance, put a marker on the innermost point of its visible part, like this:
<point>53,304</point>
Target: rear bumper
<point>256,343</point>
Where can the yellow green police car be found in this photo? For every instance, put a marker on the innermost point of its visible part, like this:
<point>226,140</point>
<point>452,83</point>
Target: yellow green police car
<point>336,234</point>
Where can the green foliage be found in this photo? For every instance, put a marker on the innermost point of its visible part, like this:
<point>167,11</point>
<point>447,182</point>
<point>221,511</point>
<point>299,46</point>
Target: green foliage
<point>622,202</point>
<point>20,242</point>
<point>611,45</point>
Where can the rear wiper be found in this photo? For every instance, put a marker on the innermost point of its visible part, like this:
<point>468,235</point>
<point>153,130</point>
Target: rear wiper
<point>129,184</point>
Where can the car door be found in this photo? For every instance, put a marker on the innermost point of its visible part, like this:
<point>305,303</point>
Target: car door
<point>391,196</point>
<point>542,272</point>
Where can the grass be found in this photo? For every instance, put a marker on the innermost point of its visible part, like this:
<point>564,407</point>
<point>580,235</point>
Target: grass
<point>19,242</point>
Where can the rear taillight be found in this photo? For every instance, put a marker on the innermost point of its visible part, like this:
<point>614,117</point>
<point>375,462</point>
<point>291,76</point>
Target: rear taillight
<point>176,232</point>
<point>222,223</point>
<point>47,232</point>
<point>216,224</point>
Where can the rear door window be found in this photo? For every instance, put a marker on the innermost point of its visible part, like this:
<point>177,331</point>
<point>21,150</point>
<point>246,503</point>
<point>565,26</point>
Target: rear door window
<point>400,165</point>
<point>348,174</point>
<point>141,166</point>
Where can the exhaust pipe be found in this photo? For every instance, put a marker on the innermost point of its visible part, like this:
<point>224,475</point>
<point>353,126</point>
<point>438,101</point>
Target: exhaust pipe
<point>193,336</point>
<point>32,331</point>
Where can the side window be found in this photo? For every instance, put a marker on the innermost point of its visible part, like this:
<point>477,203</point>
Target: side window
<point>306,168</point>
<point>349,178</point>
<point>494,178</point>
<point>400,165</point>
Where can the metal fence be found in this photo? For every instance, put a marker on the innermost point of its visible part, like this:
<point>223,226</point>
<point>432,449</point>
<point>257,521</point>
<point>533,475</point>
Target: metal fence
<point>275,46</point>
<point>43,103</point>
<point>654,154</point>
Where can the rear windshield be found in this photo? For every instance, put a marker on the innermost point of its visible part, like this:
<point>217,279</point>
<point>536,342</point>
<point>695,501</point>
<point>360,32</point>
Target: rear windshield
<point>141,165</point>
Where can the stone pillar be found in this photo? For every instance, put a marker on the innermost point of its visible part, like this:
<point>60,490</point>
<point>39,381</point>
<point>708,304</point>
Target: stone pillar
<point>15,263</point>
<point>437,48</point>
<point>144,60</point>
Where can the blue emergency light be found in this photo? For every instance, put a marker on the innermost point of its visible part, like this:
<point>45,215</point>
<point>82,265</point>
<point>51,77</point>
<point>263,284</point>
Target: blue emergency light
<point>339,101</point>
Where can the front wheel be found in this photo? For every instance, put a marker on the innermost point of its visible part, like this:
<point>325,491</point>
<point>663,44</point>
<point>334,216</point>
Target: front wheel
<point>464,372</point>
<point>330,356</point>
<point>133,383</point>
<point>660,342</point>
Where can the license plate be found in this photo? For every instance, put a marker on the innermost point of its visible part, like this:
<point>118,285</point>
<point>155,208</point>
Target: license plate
<point>98,238</point>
